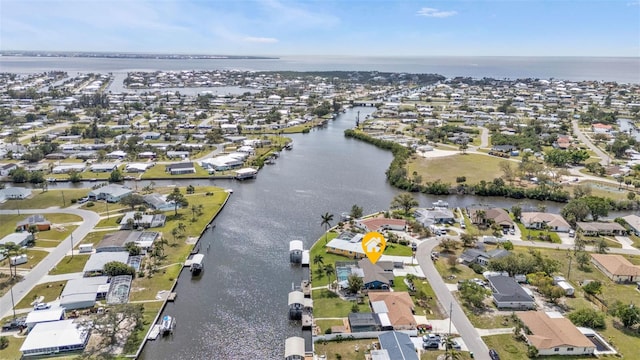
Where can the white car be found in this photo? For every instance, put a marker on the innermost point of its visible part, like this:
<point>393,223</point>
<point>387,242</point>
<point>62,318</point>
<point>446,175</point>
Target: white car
<point>41,306</point>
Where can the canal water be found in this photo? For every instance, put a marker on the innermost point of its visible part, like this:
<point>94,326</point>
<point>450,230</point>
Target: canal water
<point>238,308</point>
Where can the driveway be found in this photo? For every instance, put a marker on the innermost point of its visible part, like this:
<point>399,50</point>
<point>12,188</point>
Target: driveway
<point>90,219</point>
<point>464,327</point>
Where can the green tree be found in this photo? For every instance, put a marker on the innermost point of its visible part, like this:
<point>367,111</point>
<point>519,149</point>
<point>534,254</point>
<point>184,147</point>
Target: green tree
<point>132,200</point>
<point>178,199</point>
<point>116,176</point>
<point>355,283</point>
<point>448,245</point>
<point>318,259</point>
<point>468,239</point>
<point>19,175</point>
<point>583,259</point>
<point>588,318</point>
<point>326,222</point>
<point>471,293</point>
<point>191,189</point>
<point>629,314</point>
<point>404,201</point>
<point>112,328</point>
<point>75,176</point>
<point>137,216</point>
<point>601,246</point>
<point>4,342</point>
<point>329,270</point>
<point>593,288</point>
<point>516,211</point>
<point>115,268</point>
<point>132,248</point>
<point>356,212</point>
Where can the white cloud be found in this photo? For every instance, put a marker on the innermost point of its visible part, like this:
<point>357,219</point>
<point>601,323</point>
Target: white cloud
<point>261,40</point>
<point>431,12</point>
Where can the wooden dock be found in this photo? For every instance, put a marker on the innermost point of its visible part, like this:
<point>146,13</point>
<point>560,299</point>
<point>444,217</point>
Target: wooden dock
<point>154,333</point>
<point>172,296</point>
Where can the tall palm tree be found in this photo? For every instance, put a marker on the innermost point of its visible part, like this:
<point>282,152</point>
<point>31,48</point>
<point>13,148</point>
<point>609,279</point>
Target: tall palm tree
<point>318,260</point>
<point>326,222</point>
<point>329,270</point>
<point>404,201</point>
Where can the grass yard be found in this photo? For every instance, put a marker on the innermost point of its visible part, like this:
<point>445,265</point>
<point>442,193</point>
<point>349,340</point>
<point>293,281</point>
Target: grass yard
<point>507,347</point>
<point>112,221</point>
<point>149,313</point>
<point>100,207</point>
<point>93,237</point>
<point>147,288</point>
<point>328,305</point>
<point>602,189</point>
<point>474,166</point>
<point>55,234</point>
<point>346,349</point>
<point>13,350</point>
<point>431,308</point>
<point>158,172</point>
<point>535,234</point>
<point>439,354</point>
<point>33,256</point>
<point>461,272</point>
<point>47,199</point>
<point>70,264</point>
<point>50,291</point>
<point>636,240</point>
<point>327,324</point>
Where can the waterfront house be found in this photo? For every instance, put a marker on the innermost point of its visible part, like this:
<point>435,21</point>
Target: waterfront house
<point>55,337</point>
<point>111,193</point>
<point>601,228</point>
<point>96,262</point>
<point>14,193</point>
<point>552,334</point>
<point>67,168</point>
<point>39,221</point>
<point>540,220</point>
<point>347,244</point>
<point>471,256</point>
<point>381,224</point>
<point>5,169</point>
<point>159,202</point>
<point>41,316</point>
<point>508,294</point>
<point>106,167</point>
<point>485,217</point>
<point>117,241</point>
<point>359,322</point>
<point>181,168</point>
<point>434,216</point>
<point>616,267</point>
<point>633,221</point>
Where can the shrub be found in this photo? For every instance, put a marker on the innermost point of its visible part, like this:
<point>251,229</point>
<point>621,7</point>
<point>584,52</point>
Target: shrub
<point>90,204</point>
<point>73,201</point>
<point>477,268</point>
<point>4,342</point>
<point>327,331</point>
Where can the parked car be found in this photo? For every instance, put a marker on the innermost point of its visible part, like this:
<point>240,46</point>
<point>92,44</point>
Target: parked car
<point>14,324</point>
<point>493,355</point>
<point>572,233</point>
<point>41,306</point>
<point>430,345</point>
<point>431,338</point>
<point>83,200</point>
<point>512,231</point>
<point>505,231</point>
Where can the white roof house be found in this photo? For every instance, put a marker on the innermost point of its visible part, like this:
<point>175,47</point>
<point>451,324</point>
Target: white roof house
<point>111,193</point>
<point>82,293</point>
<point>14,193</point>
<point>53,337</point>
<point>41,316</point>
<point>18,238</point>
<point>97,261</point>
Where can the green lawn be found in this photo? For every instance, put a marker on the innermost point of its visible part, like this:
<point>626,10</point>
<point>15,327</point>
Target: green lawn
<point>507,347</point>
<point>33,256</point>
<point>70,264</point>
<point>100,207</point>
<point>636,240</point>
<point>55,234</point>
<point>430,308</point>
<point>534,234</point>
<point>159,172</point>
<point>47,199</point>
<point>112,221</point>
<point>50,291</point>
<point>327,324</point>
<point>13,350</point>
<point>8,223</point>
<point>327,305</point>
<point>93,237</point>
<point>345,349</point>
<point>474,166</point>
<point>147,288</point>
<point>461,272</point>
<point>150,311</point>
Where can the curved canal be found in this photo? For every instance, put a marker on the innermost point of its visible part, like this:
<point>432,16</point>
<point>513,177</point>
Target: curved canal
<point>238,308</point>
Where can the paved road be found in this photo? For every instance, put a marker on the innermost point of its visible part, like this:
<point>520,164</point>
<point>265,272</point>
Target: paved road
<point>46,130</point>
<point>90,219</point>
<point>468,332</point>
<point>537,244</point>
<point>604,158</point>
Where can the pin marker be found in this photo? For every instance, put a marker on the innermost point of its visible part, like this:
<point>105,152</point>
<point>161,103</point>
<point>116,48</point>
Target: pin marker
<point>373,245</point>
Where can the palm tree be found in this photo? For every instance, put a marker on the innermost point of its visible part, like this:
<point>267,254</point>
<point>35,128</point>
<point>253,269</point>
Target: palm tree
<point>326,222</point>
<point>404,201</point>
<point>182,228</point>
<point>318,260</point>
<point>137,216</point>
<point>329,270</point>
<point>175,232</point>
<point>480,216</point>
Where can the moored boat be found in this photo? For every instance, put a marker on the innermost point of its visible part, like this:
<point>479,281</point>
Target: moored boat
<point>167,325</point>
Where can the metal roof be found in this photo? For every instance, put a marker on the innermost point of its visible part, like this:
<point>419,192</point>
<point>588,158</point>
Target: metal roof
<point>54,334</point>
<point>294,346</point>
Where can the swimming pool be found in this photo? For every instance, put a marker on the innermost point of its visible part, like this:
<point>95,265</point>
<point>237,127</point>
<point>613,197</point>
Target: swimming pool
<point>343,273</point>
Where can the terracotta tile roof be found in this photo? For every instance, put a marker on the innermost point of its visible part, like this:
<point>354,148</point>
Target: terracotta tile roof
<point>617,264</point>
<point>551,332</point>
<point>376,223</point>
<point>399,305</point>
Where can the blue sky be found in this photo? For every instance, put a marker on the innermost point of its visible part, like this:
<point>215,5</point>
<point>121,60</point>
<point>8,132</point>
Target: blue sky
<point>326,27</point>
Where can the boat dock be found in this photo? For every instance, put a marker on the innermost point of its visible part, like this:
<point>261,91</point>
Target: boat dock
<point>154,332</point>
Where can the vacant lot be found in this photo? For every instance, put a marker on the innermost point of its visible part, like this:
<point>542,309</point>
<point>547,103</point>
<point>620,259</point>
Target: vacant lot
<point>47,199</point>
<point>446,169</point>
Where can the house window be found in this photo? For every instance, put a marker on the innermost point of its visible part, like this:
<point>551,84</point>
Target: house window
<point>556,349</point>
<point>569,349</point>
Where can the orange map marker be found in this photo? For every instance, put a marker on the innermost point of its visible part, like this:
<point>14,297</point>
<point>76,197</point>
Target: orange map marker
<point>373,244</point>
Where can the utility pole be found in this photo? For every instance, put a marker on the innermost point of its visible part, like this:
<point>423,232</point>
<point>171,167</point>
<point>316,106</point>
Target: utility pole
<point>446,344</point>
<point>13,305</point>
<point>72,245</point>
<point>106,202</point>
<point>569,272</point>
<point>64,204</point>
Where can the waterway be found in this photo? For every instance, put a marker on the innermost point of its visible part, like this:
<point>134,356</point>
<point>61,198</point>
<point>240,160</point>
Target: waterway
<point>238,308</point>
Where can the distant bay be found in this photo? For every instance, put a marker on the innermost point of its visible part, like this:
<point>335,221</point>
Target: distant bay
<point>618,69</point>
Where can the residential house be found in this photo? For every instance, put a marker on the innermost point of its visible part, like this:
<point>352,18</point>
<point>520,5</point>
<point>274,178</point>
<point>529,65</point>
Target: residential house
<point>541,220</point>
<point>429,217</point>
<point>633,221</point>
<point>599,128</point>
<point>347,244</point>
<point>601,228</point>
<point>39,221</point>
<point>378,275</point>
<point>381,224</point>
<point>476,256</point>
<point>55,337</point>
<point>159,202</point>
<point>18,238</point>
<point>360,322</point>
<point>41,316</point>
<point>82,293</point>
<point>504,148</point>
<point>552,334</point>
<point>117,241</point>
<point>5,169</point>
<point>508,294</point>
<point>108,167</point>
<point>146,221</point>
<point>111,193</point>
<point>181,168</point>
<point>96,262</point>
<point>616,267</point>
<point>485,217</point>
<point>398,345</point>
<point>397,306</point>
<point>14,193</point>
